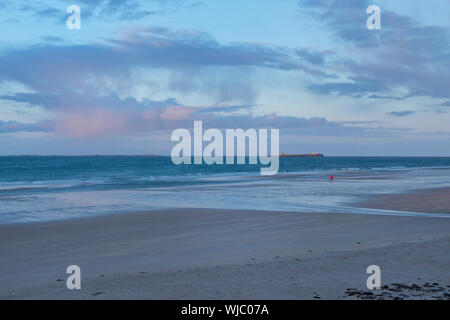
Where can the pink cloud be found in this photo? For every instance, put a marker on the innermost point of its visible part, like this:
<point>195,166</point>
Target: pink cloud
<point>176,113</point>
<point>92,122</point>
<point>104,121</point>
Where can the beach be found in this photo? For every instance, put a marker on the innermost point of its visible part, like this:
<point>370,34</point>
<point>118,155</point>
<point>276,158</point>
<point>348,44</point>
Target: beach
<point>432,200</point>
<point>189,253</point>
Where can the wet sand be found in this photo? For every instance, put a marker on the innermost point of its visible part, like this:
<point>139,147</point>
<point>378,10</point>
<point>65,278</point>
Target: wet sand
<point>222,254</point>
<point>426,201</point>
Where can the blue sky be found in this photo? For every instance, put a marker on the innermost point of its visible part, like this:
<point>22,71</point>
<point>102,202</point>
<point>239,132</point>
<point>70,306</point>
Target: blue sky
<point>139,69</point>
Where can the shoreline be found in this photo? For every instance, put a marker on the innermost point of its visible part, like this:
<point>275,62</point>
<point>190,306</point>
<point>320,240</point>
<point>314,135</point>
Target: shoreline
<point>300,192</point>
<point>430,202</point>
<point>154,254</point>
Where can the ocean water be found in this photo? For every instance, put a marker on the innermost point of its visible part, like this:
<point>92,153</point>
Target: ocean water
<point>35,188</point>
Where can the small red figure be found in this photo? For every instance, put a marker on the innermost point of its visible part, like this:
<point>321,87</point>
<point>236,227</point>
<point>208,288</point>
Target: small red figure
<point>331,177</point>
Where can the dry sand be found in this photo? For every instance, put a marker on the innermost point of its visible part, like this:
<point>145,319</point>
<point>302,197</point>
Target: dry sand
<point>218,254</point>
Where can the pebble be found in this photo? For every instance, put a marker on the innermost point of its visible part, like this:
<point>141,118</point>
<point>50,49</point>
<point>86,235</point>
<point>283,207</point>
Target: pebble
<point>398,291</point>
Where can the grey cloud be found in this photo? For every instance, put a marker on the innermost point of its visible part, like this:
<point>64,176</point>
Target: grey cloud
<point>74,100</point>
<point>354,89</point>
<point>190,57</point>
<point>403,53</point>
<point>313,56</point>
<point>443,104</point>
<point>401,113</point>
<point>374,96</point>
<point>109,10</point>
<point>14,126</point>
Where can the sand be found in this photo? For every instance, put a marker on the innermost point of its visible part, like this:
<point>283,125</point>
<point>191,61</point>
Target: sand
<point>429,201</point>
<point>223,254</point>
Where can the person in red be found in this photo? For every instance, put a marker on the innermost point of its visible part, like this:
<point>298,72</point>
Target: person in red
<point>331,178</point>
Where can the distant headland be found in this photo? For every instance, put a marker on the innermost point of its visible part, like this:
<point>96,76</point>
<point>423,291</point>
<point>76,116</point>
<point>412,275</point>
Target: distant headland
<point>304,155</point>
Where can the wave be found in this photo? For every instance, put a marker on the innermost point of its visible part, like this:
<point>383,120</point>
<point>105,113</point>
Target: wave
<point>134,179</point>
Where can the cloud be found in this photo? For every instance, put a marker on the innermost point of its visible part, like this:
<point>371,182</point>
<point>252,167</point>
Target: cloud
<point>403,54</point>
<point>72,82</point>
<point>50,13</point>
<point>196,63</point>
<point>53,39</point>
<point>439,108</point>
<point>374,96</point>
<point>106,122</point>
<point>14,126</point>
<point>86,100</point>
<point>108,10</point>
<point>90,115</point>
<point>123,10</point>
<point>11,21</point>
<point>354,89</point>
<point>443,104</point>
<point>400,113</point>
<point>314,56</point>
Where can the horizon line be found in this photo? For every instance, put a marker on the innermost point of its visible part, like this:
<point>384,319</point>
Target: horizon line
<point>163,155</point>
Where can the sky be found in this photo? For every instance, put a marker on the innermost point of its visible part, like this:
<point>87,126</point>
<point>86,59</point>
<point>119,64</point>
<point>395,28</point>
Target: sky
<point>137,70</point>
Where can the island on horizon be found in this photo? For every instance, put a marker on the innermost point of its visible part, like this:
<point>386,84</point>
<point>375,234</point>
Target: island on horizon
<point>303,155</point>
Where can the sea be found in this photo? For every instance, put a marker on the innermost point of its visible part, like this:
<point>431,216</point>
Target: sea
<point>42,188</point>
